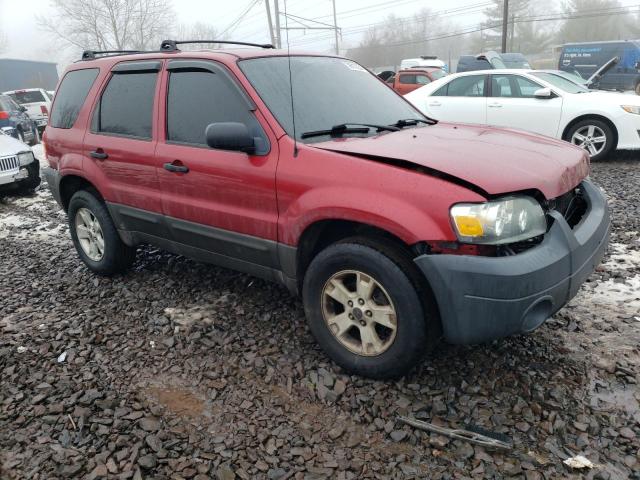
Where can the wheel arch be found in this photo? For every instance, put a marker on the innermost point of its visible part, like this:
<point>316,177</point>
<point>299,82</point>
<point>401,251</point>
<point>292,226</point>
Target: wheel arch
<point>589,116</point>
<point>70,184</point>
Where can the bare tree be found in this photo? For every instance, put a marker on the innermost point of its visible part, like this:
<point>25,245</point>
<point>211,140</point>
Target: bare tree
<point>197,31</point>
<point>109,24</point>
<point>590,24</point>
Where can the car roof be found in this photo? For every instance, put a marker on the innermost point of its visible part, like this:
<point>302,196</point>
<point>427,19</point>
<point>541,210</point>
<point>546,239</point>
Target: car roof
<point>207,54</point>
<point>494,71</point>
<point>419,69</point>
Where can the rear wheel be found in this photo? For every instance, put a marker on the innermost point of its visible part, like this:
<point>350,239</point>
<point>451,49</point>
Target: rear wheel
<point>365,309</point>
<point>594,136</point>
<point>36,137</point>
<point>95,236</point>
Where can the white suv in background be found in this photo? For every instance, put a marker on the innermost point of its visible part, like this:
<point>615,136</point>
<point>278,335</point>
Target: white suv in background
<point>19,169</point>
<point>37,102</point>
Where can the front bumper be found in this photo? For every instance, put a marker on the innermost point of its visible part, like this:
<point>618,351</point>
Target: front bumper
<point>484,298</point>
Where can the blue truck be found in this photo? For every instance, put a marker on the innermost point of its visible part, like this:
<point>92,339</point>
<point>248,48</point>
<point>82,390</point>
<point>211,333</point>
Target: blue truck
<point>586,58</point>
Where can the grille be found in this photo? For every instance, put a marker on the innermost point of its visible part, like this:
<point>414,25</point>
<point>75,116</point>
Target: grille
<point>571,205</point>
<point>9,163</point>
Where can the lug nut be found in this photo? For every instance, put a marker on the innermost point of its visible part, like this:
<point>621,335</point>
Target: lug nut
<point>350,303</point>
<point>361,301</point>
<point>368,313</point>
<point>350,316</point>
<point>363,323</point>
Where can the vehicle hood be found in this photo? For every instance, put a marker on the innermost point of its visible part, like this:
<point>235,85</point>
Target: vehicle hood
<point>494,160</point>
<point>609,98</point>
<point>11,146</point>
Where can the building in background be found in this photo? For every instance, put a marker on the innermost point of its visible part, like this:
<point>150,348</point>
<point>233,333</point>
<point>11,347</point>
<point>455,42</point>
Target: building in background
<point>17,74</point>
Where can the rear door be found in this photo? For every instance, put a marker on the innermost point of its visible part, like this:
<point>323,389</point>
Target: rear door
<point>460,100</point>
<point>513,104</point>
<point>119,146</point>
<point>224,202</point>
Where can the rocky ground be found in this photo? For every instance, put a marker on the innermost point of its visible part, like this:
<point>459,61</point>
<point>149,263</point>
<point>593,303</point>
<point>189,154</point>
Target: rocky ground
<point>182,370</point>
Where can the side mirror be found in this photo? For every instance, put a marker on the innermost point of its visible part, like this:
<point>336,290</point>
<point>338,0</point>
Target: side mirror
<point>23,109</point>
<point>543,93</point>
<point>230,136</point>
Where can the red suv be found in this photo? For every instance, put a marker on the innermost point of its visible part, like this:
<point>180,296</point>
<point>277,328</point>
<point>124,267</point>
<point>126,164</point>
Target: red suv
<point>306,170</point>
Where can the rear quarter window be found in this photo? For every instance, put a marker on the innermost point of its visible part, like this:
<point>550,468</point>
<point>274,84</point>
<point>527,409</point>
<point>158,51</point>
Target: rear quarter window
<point>70,97</point>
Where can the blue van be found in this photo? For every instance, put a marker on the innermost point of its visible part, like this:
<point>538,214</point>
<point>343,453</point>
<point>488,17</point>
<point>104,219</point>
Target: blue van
<point>586,58</point>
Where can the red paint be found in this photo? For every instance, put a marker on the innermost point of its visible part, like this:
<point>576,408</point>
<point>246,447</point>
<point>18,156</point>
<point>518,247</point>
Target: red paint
<point>404,88</point>
<point>277,196</point>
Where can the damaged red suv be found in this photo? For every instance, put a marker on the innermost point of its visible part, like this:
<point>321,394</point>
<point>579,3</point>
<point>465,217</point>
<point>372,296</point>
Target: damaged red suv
<point>307,170</point>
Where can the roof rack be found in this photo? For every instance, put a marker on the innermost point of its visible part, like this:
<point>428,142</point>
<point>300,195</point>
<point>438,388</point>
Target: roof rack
<point>91,54</point>
<point>172,45</point>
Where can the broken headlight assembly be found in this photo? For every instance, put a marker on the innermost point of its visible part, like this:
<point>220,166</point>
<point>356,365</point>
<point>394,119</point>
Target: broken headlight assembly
<point>25,158</point>
<point>499,222</point>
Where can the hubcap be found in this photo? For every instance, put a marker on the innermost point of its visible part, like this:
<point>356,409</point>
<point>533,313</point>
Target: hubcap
<point>359,313</point>
<point>590,138</point>
<point>89,234</point>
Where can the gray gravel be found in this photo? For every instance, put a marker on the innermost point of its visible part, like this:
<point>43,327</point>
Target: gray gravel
<point>183,370</point>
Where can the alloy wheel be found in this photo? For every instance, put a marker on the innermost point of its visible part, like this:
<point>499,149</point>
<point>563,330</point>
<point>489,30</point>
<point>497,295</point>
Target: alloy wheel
<point>359,313</point>
<point>590,138</point>
<point>89,234</point>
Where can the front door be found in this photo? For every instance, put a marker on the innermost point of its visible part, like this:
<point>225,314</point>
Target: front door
<point>217,201</point>
<point>513,104</point>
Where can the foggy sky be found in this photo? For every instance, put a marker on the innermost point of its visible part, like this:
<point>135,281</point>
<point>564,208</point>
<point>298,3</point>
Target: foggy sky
<point>26,40</point>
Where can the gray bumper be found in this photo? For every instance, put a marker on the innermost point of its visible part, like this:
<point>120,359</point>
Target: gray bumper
<point>484,298</point>
<point>53,181</point>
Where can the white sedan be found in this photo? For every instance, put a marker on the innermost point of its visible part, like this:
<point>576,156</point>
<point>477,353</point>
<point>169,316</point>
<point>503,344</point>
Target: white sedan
<point>540,102</point>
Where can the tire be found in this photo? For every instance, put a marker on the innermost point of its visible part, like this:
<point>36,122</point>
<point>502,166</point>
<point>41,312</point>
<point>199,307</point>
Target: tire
<point>116,256</point>
<point>21,136</point>
<point>416,318</point>
<point>36,137</point>
<point>597,126</point>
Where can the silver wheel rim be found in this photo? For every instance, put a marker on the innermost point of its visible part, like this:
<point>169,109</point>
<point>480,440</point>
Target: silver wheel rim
<point>590,138</point>
<point>89,234</point>
<point>359,313</point>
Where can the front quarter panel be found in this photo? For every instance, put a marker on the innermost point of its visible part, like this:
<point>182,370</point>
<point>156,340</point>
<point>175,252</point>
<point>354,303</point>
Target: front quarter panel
<point>322,185</point>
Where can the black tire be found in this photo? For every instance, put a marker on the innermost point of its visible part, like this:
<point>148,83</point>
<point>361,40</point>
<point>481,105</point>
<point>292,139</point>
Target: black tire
<point>36,137</point>
<point>117,256</point>
<point>417,318</point>
<point>606,129</point>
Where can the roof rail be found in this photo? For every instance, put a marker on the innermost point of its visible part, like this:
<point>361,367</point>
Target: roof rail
<point>91,54</point>
<point>172,45</point>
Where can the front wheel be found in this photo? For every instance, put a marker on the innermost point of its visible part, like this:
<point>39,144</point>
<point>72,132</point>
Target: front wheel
<point>95,236</point>
<point>365,309</point>
<point>594,136</point>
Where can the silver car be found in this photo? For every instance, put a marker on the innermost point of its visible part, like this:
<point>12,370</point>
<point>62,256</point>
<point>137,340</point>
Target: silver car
<point>19,169</point>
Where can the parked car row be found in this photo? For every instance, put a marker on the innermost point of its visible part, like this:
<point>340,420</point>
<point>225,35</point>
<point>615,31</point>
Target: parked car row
<point>397,230</point>
<point>542,102</point>
<point>24,114</point>
<point>19,169</point>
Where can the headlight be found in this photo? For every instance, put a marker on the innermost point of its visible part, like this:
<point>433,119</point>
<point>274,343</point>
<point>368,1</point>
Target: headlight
<point>631,109</point>
<point>507,220</point>
<point>25,158</point>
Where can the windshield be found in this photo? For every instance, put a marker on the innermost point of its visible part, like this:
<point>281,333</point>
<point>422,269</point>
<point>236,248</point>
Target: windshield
<point>560,82</point>
<point>326,91</point>
<point>28,97</point>
<point>497,63</point>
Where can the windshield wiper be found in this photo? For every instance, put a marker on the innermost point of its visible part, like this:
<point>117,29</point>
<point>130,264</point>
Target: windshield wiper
<point>346,128</point>
<point>410,122</point>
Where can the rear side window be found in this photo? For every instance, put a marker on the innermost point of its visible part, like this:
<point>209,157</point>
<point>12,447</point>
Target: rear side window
<point>70,97</point>
<point>197,98</point>
<point>126,105</point>
<point>468,86</point>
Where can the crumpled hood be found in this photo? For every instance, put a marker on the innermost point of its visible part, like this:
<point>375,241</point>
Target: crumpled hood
<point>494,160</point>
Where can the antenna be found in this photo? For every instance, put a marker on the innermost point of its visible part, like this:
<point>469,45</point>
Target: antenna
<point>293,113</point>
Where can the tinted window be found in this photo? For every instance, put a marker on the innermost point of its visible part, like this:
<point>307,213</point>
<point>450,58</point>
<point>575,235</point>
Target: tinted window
<point>126,105</point>
<point>198,98</point>
<point>408,79</point>
<point>414,79</point>
<point>71,96</point>
<point>326,92</point>
<point>28,97</point>
<point>436,74</point>
<point>8,105</point>
<point>469,86</point>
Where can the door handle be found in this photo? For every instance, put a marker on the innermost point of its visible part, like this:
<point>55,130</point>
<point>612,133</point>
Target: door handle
<point>435,104</point>
<point>495,105</point>
<point>99,154</point>
<point>177,168</point>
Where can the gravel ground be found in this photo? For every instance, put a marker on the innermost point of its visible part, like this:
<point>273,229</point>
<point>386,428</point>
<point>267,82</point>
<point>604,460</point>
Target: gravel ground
<point>183,370</point>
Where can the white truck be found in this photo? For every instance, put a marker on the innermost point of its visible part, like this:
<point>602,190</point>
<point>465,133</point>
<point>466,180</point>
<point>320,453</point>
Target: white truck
<point>37,102</point>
